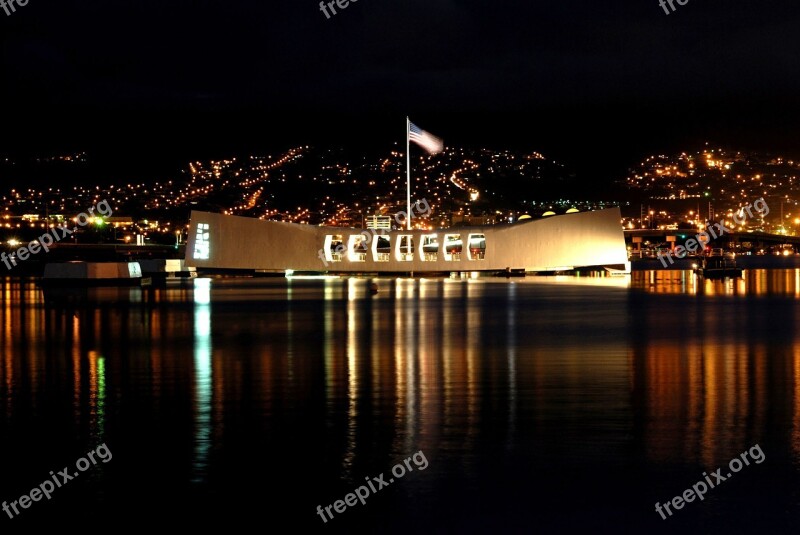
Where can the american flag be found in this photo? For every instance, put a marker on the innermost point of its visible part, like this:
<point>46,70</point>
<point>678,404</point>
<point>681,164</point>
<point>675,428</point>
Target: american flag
<point>430,143</point>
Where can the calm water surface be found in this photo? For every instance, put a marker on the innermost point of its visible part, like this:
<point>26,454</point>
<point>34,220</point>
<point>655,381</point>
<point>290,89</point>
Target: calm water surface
<point>539,405</point>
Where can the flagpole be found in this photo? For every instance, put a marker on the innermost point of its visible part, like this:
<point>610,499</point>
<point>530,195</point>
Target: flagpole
<point>408,173</point>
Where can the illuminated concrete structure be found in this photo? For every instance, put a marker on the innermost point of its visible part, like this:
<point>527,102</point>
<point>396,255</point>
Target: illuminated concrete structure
<point>555,243</point>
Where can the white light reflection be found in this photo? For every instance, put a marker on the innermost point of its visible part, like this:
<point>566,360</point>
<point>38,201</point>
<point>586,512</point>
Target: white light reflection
<point>202,379</point>
<point>352,378</point>
<point>511,344</point>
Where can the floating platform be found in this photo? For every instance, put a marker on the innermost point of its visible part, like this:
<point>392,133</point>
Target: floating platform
<point>78,274</point>
<point>167,269</point>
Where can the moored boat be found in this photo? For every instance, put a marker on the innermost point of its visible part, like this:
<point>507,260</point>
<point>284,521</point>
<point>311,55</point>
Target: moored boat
<point>718,265</point>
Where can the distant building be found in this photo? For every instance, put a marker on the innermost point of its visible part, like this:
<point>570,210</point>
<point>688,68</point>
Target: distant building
<point>120,221</point>
<point>379,222</point>
<point>460,220</point>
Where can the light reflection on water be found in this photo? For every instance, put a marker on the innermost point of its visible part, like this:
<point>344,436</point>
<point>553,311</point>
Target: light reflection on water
<point>203,386</point>
<point>544,371</point>
<point>754,282</point>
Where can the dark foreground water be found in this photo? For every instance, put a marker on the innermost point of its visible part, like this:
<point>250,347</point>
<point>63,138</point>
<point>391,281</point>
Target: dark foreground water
<point>539,405</point>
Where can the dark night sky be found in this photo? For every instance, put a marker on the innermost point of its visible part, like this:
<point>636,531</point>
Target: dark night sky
<point>593,83</point>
